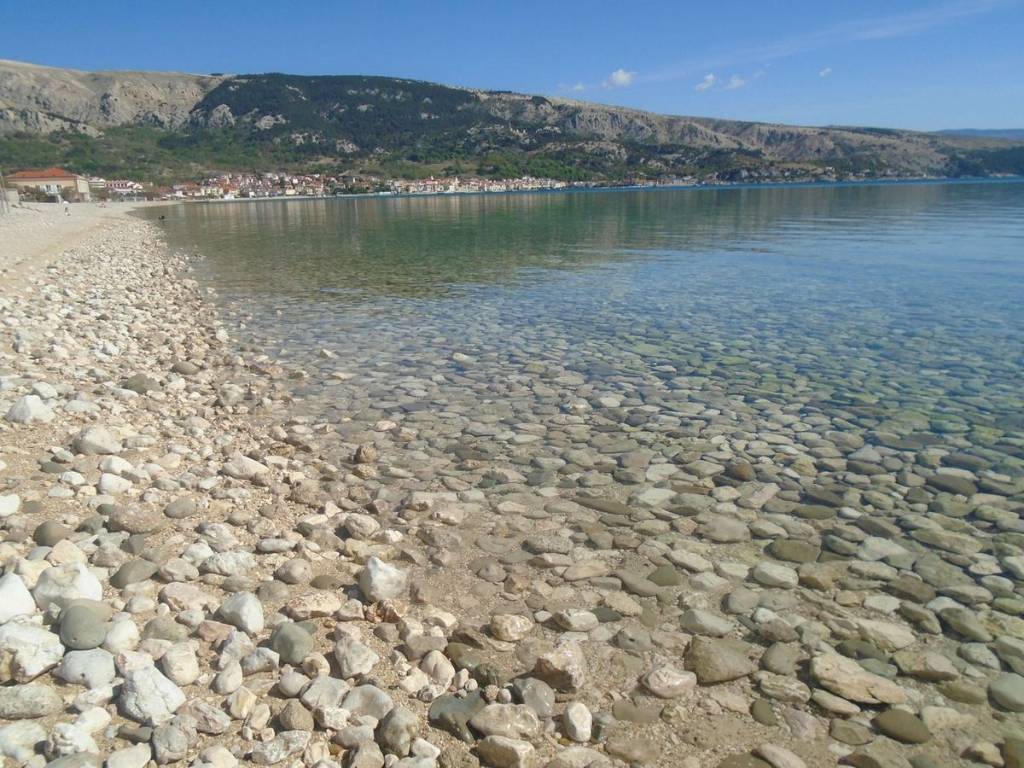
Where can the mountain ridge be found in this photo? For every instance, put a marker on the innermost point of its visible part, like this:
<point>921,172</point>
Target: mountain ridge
<point>1010,134</point>
<point>172,122</point>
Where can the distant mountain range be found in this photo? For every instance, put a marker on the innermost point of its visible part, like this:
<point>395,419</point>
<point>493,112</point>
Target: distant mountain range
<point>161,124</point>
<point>1011,134</point>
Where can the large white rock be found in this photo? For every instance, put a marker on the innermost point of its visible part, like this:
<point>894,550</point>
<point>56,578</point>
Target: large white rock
<point>505,752</point>
<point>9,504</point>
<point>28,409</point>
<point>63,583</point>
<point>28,650</point>
<point>510,627</point>
<point>18,740</point>
<point>845,677</point>
<point>577,722</point>
<point>885,635</point>
<point>148,697</point>
<point>15,599</point>
<point>97,441</point>
<point>564,668</point>
<point>354,658</point>
<point>241,467</point>
<point>113,485</point>
<point>68,739</point>
<point>669,683</point>
<point>774,575</point>
<point>380,581</point>
<point>130,757</point>
<point>180,664</point>
<point>244,611</point>
<point>93,669</point>
<point>123,635</point>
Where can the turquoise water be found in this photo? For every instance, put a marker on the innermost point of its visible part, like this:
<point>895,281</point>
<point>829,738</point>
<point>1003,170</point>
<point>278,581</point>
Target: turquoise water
<point>897,309</point>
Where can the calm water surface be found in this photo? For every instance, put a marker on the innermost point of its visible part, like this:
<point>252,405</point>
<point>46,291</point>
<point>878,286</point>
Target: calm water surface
<point>895,308</point>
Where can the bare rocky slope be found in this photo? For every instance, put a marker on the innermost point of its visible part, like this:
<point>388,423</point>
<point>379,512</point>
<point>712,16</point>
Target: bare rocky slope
<point>42,99</point>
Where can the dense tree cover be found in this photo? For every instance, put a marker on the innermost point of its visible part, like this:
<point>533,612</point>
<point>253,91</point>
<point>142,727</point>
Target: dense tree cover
<point>984,161</point>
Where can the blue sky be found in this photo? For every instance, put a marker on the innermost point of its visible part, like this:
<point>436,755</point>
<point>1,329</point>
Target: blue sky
<point>925,64</point>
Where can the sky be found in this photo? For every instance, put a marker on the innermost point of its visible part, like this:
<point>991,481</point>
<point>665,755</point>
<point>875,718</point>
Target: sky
<point>921,64</point>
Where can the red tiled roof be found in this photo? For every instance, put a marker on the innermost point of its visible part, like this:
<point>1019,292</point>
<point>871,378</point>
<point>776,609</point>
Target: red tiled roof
<point>48,173</point>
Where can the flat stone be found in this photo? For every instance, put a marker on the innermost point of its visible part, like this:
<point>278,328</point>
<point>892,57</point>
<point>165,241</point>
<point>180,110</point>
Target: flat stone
<point>762,712</point>
<point>638,751</point>
<point>848,679</point>
<point>794,550</point>
<point>719,660</point>
<point>849,732</point>
<point>954,484</point>
<point>1007,690</point>
<point>19,702</point>
<point>181,508</point>
<point>724,530</point>
<point>932,667</point>
<point>133,572</point>
<point>778,757</point>
<point>93,441</point>
<point>93,668</point>
<point>503,752</point>
<point>29,409</point>
<point>368,700</point>
<point>513,721</point>
<point>701,622</point>
<point>902,726</point>
<point>669,683</point>
<point>631,712</point>
<point>140,383</point>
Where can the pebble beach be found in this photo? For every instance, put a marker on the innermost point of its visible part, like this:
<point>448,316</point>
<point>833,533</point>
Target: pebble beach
<point>649,571</point>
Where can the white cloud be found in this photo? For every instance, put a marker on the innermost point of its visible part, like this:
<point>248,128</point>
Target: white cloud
<point>620,78</point>
<point>579,87</point>
<point>825,72</point>
<point>735,82</point>
<point>707,82</point>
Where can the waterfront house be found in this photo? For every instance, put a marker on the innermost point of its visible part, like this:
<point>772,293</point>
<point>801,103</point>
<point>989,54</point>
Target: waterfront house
<point>53,181</point>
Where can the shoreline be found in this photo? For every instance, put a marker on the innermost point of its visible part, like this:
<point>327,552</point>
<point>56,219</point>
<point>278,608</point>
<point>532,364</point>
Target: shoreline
<point>923,181</point>
<point>254,586</point>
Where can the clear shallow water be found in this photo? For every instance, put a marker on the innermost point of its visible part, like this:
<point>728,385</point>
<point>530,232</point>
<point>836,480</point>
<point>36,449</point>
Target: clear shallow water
<point>898,309</point>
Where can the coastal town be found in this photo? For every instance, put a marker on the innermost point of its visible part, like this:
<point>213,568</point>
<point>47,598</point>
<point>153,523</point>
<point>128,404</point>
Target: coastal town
<point>51,183</point>
<point>72,187</point>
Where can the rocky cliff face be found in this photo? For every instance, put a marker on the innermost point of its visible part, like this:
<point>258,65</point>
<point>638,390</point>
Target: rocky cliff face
<point>42,99</point>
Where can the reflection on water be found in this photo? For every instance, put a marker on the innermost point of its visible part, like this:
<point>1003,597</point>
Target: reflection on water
<point>895,307</point>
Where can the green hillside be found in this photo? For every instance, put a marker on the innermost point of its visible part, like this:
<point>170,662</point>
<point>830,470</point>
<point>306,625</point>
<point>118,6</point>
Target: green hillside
<point>401,127</point>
